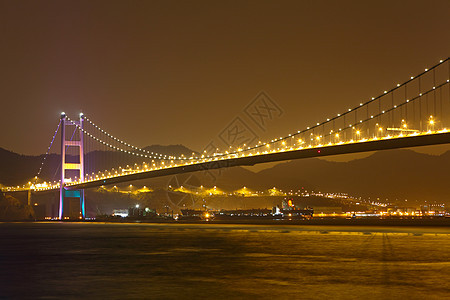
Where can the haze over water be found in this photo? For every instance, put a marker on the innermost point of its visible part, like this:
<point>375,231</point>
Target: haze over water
<point>212,261</point>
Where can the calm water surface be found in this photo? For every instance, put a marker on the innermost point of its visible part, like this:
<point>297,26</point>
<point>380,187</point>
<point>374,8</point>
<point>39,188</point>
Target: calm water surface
<point>211,261</point>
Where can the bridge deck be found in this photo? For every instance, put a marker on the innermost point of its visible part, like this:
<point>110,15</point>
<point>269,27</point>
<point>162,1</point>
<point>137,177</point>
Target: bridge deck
<point>347,148</point>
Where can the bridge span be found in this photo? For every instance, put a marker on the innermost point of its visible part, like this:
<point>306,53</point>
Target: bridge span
<point>345,148</point>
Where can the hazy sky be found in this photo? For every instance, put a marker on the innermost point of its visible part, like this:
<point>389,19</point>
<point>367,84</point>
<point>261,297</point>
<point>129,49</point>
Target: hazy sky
<point>178,72</point>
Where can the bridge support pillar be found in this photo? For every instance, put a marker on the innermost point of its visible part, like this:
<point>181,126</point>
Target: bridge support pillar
<point>72,167</point>
<point>64,195</point>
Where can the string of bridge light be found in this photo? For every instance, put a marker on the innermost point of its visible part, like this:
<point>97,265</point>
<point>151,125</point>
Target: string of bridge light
<point>103,176</point>
<point>162,156</point>
<point>48,150</point>
<point>371,117</point>
<point>97,177</point>
<point>434,88</point>
<point>342,114</point>
<point>391,109</point>
<point>112,146</point>
<point>272,141</point>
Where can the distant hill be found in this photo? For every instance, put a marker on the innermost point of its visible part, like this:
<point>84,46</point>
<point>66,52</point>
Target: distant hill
<point>17,169</point>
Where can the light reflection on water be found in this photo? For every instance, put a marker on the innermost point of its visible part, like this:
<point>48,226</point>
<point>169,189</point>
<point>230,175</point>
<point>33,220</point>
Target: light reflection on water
<point>209,261</point>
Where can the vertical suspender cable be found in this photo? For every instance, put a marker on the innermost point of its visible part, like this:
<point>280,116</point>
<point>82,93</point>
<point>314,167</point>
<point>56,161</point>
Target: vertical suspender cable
<point>392,110</point>
<point>434,93</point>
<point>420,105</point>
<point>406,105</point>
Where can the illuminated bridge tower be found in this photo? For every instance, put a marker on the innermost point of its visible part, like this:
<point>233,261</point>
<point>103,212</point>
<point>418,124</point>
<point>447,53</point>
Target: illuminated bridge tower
<point>72,162</point>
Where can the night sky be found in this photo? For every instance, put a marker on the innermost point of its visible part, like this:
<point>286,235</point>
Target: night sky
<point>178,72</point>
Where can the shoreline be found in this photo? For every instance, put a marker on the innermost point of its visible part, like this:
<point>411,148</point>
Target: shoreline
<point>428,222</point>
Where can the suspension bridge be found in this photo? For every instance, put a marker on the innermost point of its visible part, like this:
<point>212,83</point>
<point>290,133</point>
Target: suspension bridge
<point>413,113</point>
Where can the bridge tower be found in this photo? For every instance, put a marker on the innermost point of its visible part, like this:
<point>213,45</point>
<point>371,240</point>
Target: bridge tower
<point>76,141</point>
